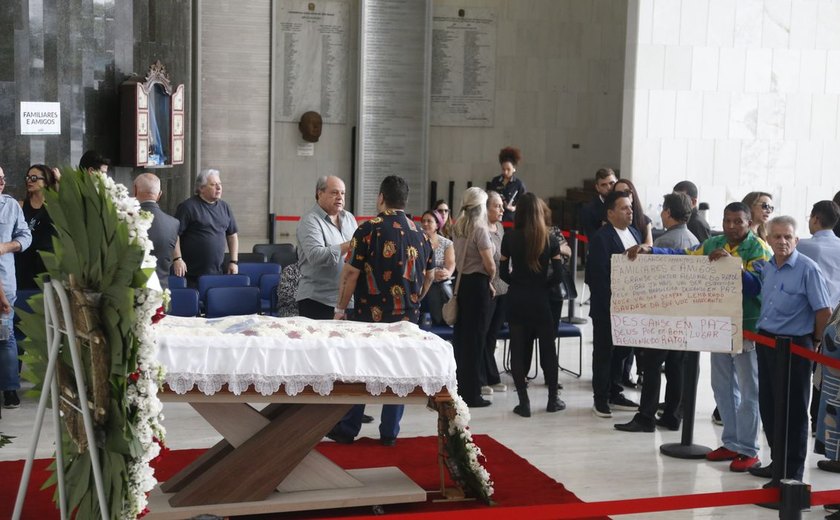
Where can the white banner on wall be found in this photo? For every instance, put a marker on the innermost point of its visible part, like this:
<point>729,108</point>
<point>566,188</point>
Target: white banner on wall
<point>677,303</point>
<point>312,54</point>
<point>40,118</point>
<point>463,66</point>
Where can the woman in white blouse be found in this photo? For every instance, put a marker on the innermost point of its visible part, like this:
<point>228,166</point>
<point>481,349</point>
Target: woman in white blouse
<point>444,261</point>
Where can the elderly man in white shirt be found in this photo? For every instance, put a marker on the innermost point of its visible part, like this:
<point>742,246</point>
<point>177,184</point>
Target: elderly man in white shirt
<point>323,236</point>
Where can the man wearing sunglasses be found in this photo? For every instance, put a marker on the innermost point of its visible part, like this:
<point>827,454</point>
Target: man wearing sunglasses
<point>14,236</point>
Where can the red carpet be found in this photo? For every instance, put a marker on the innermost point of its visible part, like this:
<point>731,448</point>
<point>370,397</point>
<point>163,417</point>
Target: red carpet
<point>517,483</point>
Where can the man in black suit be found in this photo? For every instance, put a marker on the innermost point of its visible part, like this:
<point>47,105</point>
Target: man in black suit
<point>615,237</point>
<point>164,230</point>
<point>592,215</point>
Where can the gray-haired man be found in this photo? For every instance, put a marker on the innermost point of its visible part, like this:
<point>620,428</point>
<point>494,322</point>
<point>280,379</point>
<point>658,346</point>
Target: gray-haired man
<point>207,226</point>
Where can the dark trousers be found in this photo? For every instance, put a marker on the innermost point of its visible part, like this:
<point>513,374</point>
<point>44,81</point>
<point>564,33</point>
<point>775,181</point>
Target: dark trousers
<point>800,395</point>
<point>650,362</point>
<point>469,336</point>
<point>607,361</point>
<point>351,423</point>
<point>490,374</point>
<point>315,310</point>
<point>529,317</point>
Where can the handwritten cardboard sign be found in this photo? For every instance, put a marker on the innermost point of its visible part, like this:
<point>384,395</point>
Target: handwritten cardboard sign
<point>677,303</point>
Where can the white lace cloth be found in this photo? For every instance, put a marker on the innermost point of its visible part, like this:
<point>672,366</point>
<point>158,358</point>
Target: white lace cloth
<point>267,352</point>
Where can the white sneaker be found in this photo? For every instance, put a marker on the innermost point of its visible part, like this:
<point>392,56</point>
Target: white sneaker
<point>499,387</point>
<point>486,390</point>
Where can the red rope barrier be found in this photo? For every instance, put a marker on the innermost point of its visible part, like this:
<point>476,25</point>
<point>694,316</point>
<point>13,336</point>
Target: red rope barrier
<point>796,349</point>
<point>294,218</point>
<point>615,507</point>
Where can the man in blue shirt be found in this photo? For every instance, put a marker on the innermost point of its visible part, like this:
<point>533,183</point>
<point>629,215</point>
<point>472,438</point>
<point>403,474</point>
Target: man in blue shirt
<point>824,247</point>
<point>14,236</point>
<point>794,302</point>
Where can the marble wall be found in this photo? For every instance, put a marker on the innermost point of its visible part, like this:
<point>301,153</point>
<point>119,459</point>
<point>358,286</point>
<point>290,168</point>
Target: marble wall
<point>559,77</point>
<point>736,96</point>
<point>77,53</point>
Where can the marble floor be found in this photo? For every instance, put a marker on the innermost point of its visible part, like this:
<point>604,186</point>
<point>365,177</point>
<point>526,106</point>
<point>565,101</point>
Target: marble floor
<point>574,447</point>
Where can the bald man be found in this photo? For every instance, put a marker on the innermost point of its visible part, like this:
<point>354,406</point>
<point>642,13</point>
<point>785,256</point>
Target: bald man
<point>164,230</point>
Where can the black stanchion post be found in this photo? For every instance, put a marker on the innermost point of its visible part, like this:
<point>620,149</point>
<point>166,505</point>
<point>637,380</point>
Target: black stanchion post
<point>686,449</point>
<point>272,223</point>
<point>573,245</point>
<point>781,391</point>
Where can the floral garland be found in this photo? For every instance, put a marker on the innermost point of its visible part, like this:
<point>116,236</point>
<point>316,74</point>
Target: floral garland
<point>142,388</point>
<point>102,246</point>
<point>463,458</point>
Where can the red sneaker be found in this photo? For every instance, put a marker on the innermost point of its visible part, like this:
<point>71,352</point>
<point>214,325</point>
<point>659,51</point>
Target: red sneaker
<point>721,454</point>
<point>742,463</point>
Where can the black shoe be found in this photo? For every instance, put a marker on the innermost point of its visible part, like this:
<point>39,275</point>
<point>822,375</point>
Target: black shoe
<point>555,404</point>
<point>829,465</point>
<point>11,399</point>
<point>762,471</point>
<point>339,437</point>
<point>620,402</point>
<point>668,422</point>
<point>633,426</point>
<point>480,403</point>
<point>716,418</point>
<point>388,442</point>
<point>522,410</point>
<point>367,419</point>
<point>602,410</point>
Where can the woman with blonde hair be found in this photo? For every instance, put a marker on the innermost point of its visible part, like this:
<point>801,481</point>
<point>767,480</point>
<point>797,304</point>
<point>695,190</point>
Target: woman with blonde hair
<point>531,250</point>
<point>761,207</point>
<point>474,290</point>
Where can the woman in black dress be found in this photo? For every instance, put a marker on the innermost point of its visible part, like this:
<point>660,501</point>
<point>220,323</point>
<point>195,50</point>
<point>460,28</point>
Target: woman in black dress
<point>527,252</point>
<point>28,263</point>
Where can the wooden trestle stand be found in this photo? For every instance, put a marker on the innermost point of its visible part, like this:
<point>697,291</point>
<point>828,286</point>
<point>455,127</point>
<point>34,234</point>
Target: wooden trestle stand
<point>266,462</point>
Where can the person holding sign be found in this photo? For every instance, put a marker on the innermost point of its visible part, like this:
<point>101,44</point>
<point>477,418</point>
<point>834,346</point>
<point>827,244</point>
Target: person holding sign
<point>734,376</point>
<point>615,237</point>
<point>795,303</point>
<point>676,211</point>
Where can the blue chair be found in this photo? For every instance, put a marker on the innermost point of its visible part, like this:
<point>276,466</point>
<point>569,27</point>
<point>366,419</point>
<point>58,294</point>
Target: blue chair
<point>232,301</point>
<point>177,282</point>
<point>184,302</point>
<point>268,291</point>
<point>207,281</point>
<point>254,271</point>
<point>567,330</point>
<point>283,254</point>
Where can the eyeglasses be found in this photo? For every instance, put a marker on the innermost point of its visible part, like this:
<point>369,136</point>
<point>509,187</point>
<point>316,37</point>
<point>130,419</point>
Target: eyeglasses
<point>444,210</point>
<point>34,178</point>
<point>767,207</point>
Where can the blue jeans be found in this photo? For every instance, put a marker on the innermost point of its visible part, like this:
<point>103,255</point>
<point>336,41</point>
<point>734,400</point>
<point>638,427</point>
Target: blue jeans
<point>9,374</point>
<point>735,385</point>
<point>389,424</point>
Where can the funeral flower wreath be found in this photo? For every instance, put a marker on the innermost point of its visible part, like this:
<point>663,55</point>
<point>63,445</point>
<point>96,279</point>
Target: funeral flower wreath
<point>463,458</point>
<point>102,255</point>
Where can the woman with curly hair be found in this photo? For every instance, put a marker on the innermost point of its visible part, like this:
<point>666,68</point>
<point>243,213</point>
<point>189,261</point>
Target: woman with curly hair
<point>506,184</point>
